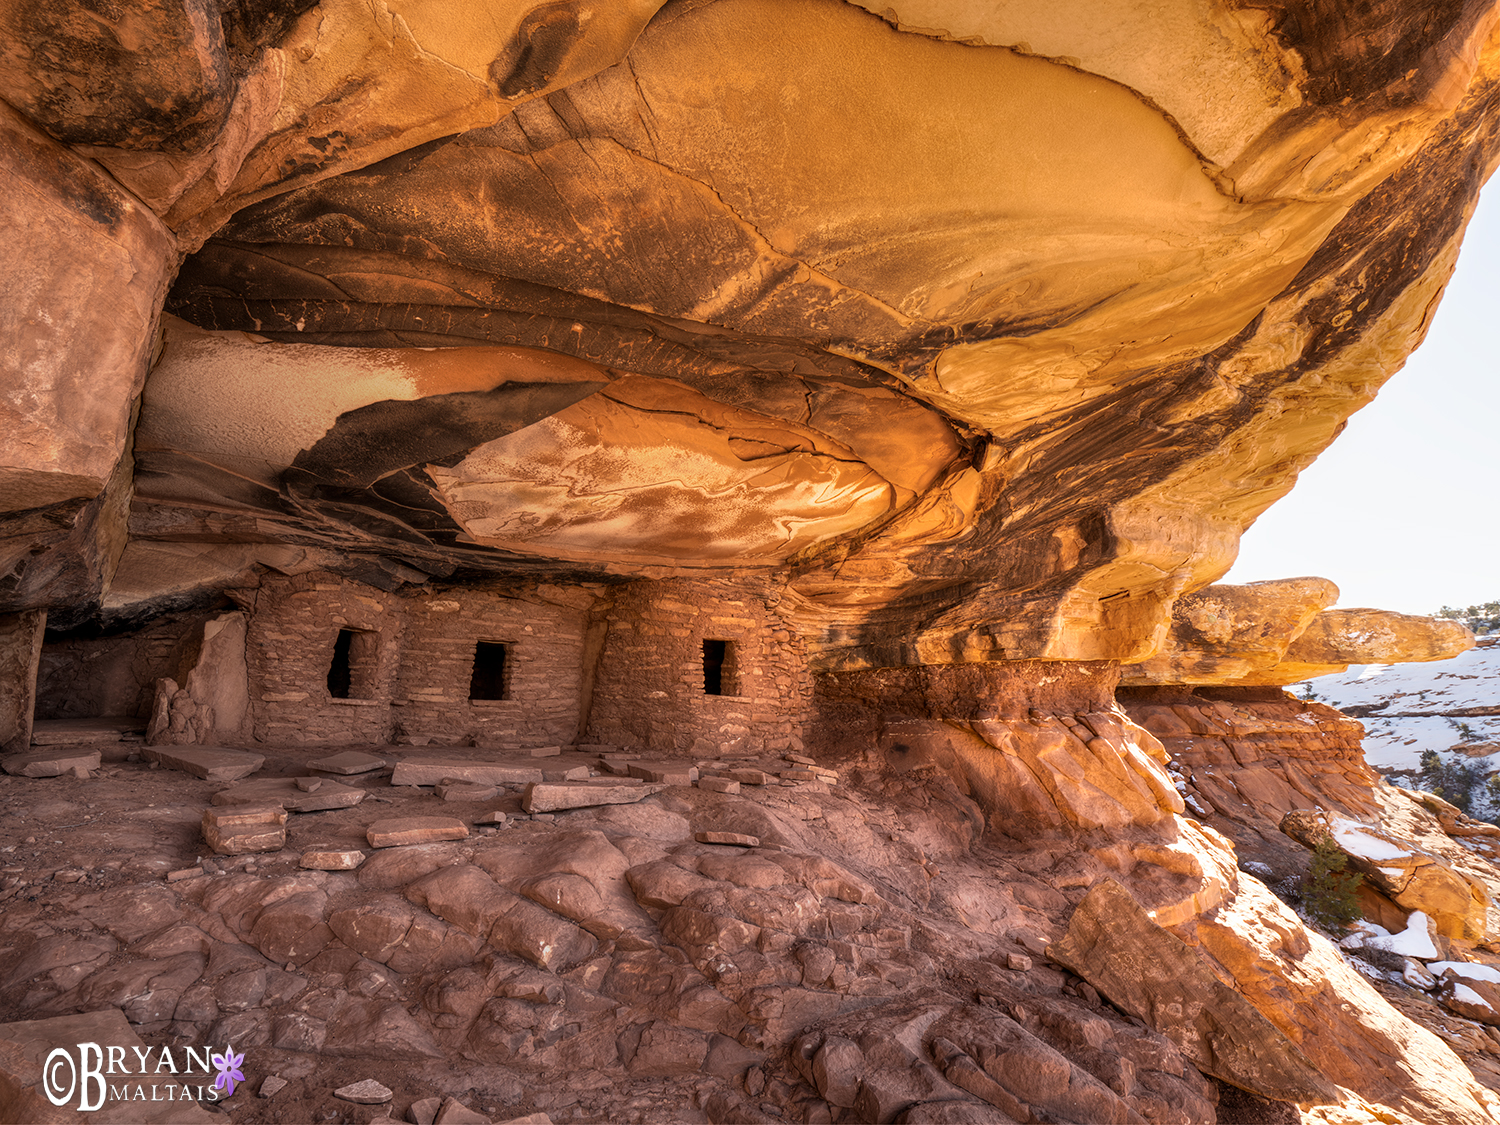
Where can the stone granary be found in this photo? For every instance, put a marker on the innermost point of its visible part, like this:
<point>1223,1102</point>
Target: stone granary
<point>747,480</point>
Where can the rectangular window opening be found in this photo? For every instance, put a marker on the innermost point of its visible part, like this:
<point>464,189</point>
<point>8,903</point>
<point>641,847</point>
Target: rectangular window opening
<point>720,676</point>
<point>488,679</point>
<point>351,672</point>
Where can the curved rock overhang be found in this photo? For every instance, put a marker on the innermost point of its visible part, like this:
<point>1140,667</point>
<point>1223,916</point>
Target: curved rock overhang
<point>986,332</point>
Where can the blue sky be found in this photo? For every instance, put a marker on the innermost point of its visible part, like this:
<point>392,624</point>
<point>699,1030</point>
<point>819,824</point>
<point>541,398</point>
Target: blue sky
<point>1401,511</point>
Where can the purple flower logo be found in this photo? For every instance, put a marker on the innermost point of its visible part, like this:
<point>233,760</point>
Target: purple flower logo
<point>229,1070</point>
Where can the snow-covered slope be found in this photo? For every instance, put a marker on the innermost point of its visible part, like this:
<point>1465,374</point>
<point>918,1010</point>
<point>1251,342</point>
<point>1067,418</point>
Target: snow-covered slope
<point>1409,708</point>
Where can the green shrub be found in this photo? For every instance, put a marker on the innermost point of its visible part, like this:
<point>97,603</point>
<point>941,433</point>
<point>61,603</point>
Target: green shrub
<point>1328,890</point>
<point>1482,618</point>
<point>1459,782</point>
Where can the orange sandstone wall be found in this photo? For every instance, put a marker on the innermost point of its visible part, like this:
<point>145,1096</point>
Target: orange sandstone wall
<point>1254,754</point>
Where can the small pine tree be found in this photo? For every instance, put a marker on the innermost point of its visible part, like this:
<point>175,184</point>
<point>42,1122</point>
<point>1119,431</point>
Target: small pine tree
<point>1452,779</point>
<point>1328,890</point>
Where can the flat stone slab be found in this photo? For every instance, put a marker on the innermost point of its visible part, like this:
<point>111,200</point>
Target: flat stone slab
<point>272,1086</point>
<point>368,1092</point>
<point>290,795</point>
<point>737,838</point>
<point>244,829</point>
<point>454,1112</point>
<point>346,859</point>
<point>669,773</point>
<point>466,791</point>
<point>50,763</point>
<point>748,776</point>
<point>432,771</point>
<point>553,796</point>
<point>211,763</point>
<point>719,785</point>
<point>73,732</point>
<point>399,830</point>
<point>348,763</point>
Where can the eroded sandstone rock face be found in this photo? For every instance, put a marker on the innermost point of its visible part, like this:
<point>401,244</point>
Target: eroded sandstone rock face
<point>724,380</point>
<point>723,299</point>
<point>1282,632</point>
<point>874,953</point>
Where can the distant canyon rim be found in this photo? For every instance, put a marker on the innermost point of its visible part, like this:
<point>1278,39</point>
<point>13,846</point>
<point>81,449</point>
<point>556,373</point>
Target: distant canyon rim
<point>661,562</point>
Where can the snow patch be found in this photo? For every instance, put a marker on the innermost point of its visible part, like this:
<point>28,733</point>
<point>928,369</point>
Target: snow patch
<point>1466,969</point>
<point>1440,687</point>
<point>1468,996</point>
<point>1351,837</point>
<point>1414,941</point>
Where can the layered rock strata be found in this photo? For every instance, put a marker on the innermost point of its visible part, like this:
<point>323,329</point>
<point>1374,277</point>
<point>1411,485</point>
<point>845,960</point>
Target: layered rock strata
<point>679,333</point>
<point>709,379</point>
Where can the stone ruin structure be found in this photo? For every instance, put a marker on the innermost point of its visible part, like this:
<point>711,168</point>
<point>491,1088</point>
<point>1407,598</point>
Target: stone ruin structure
<point>747,482</point>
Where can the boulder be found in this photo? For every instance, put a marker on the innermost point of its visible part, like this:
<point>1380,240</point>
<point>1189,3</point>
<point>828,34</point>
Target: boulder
<point>347,763</point>
<point>551,797</point>
<point>342,859</point>
<point>50,763</point>
<point>243,829</point>
<point>1114,945</point>
<point>403,831</point>
<point>1337,638</point>
<point>1411,878</point>
<point>666,773</point>
<point>1469,990</point>
<point>433,771</point>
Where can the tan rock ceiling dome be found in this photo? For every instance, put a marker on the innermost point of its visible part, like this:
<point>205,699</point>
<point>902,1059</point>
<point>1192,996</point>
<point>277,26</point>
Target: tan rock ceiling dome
<point>985,331</point>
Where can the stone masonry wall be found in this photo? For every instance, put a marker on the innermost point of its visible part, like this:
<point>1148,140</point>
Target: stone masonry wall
<point>82,677</point>
<point>648,690</point>
<point>293,627</point>
<point>543,631</point>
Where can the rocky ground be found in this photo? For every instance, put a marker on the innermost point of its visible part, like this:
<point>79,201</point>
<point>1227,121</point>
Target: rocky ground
<point>874,956</point>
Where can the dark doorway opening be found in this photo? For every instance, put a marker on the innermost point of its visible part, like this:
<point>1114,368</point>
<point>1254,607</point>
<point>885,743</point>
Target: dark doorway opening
<point>356,659</point>
<point>339,674</point>
<point>718,668</point>
<point>488,679</point>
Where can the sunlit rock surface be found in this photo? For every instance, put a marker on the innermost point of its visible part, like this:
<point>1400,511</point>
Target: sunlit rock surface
<point>1279,633</point>
<point>994,367</point>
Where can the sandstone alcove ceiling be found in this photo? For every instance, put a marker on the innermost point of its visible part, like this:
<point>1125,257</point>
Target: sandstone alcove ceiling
<point>536,453</point>
<point>1109,311</point>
